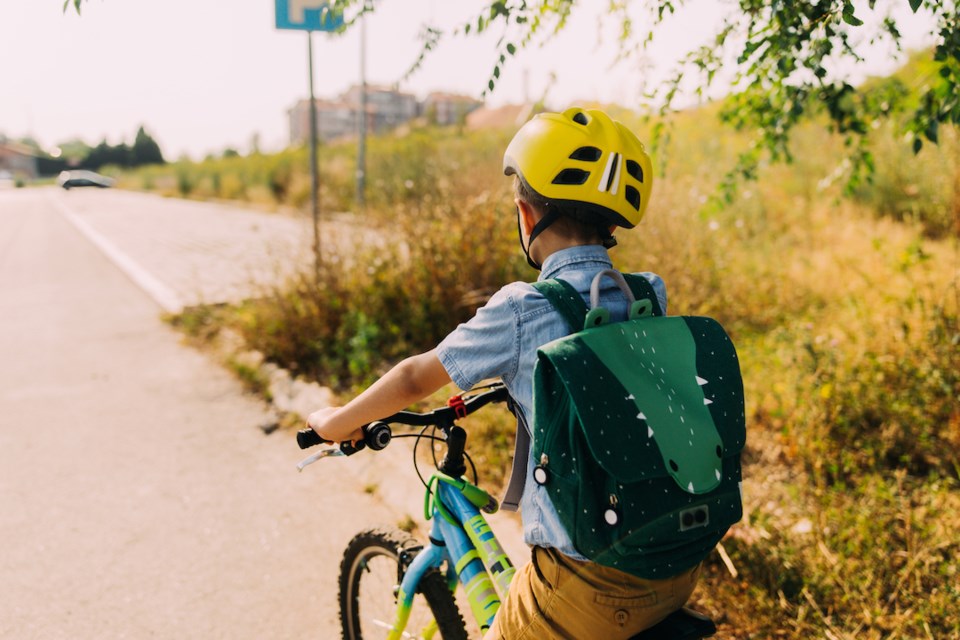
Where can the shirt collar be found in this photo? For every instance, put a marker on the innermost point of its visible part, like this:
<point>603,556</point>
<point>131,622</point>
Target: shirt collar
<point>579,255</point>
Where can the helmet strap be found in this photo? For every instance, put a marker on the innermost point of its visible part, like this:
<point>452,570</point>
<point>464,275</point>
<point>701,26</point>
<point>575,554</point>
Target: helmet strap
<point>606,236</point>
<point>548,219</point>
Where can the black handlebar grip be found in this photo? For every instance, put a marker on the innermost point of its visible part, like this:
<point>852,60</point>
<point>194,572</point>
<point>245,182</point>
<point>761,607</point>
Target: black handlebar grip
<point>349,448</point>
<point>307,438</point>
<point>377,435</point>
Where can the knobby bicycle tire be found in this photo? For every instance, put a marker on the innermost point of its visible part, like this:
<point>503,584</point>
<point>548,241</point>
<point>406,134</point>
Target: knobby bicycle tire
<point>388,544</point>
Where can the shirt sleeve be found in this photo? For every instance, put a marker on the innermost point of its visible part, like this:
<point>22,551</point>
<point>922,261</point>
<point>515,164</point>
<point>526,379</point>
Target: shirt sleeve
<point>486,346</point>
<point>659,288</point>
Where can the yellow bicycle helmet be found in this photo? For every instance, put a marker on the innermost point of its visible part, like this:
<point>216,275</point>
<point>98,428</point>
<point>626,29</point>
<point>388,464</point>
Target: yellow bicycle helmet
<point>584,159</point>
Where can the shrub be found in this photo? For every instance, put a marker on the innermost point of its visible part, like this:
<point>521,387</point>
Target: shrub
<point>185,181</point>
<point>922,188</point>
<point>891,402</point>
<point>279,178</point>
<point>380,301</point>
<point>231,186</point>
<point>875,560</point>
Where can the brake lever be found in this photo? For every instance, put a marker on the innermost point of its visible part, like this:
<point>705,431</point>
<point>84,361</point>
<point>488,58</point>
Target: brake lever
<point>345,448</point>
<point>325,453</point>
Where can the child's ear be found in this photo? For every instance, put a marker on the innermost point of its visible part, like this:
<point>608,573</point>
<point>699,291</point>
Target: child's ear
<point>528,219</point>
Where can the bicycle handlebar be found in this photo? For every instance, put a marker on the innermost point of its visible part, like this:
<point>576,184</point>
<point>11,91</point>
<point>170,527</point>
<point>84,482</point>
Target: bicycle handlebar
<point>377,434</point>
<point>457,407</point>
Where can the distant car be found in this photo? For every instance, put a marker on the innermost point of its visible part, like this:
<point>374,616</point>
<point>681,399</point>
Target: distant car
<point>70,179</point>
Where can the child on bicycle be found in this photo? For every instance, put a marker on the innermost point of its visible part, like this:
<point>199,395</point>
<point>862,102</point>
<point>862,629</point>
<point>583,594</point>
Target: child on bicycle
<point>577,175</point>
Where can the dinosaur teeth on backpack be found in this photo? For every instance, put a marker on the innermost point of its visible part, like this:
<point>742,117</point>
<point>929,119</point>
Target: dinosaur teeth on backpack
<point>638,428</point>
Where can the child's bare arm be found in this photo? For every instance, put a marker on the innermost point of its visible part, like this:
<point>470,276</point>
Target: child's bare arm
<point>413,379</point>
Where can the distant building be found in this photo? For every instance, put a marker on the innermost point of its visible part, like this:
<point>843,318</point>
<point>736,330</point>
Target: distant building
<point>387,109</point>
<point>334,119</point>
<point>448,108</point>
<point>507,116</point>
<point>18,160</point>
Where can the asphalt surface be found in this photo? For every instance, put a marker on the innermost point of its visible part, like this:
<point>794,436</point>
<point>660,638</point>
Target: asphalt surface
<point>138,498</point>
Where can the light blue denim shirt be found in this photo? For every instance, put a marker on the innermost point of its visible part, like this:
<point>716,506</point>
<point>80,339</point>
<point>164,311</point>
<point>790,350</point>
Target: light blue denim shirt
<point>501,341</point>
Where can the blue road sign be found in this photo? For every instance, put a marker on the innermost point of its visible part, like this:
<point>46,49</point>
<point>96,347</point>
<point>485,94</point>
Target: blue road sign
<point>307,15</point>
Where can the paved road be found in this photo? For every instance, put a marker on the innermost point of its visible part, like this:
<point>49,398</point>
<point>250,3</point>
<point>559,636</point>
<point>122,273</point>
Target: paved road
<point>185,252</point>
<point>138,499</point>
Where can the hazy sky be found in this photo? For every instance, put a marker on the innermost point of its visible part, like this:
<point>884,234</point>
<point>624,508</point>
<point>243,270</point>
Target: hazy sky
<point>203,75</point>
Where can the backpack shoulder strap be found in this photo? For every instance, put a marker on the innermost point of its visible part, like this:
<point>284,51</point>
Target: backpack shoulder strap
<point>565,299</point>
<point>642,288</point>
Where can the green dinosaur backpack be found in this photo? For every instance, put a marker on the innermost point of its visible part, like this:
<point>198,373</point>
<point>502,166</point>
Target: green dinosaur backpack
<point>637,430</point>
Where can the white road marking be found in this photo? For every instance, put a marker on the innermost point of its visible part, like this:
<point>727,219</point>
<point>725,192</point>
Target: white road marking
<point>163,295</point>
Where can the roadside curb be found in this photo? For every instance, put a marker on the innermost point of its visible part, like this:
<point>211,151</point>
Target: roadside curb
<point>388,475</point>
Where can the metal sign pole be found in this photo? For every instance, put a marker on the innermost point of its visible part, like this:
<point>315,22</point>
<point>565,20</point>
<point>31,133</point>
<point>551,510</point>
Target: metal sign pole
<point>314,170</point>
<point>310,16</point>
<point>362,145</point>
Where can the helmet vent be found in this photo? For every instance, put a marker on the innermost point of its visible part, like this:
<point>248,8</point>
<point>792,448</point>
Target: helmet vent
<point>571,176</point>
<point>586,154</point>
<point>633,197</point>
<point>580,118</point>
<point>634,170</point>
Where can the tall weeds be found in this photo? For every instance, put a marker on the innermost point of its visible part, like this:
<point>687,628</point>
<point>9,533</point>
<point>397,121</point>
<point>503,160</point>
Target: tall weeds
<point>844,312</point>
<point>403,284</point>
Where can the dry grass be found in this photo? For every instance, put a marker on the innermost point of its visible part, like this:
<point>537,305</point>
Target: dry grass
<point>845,319</point>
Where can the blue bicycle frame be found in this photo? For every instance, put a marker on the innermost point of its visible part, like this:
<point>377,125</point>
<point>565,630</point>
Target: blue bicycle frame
<point>461,537</point>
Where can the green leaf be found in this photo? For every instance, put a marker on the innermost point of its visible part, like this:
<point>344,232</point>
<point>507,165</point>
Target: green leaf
<point>849,18</point>
<point>511,49</point>
<point>917,145</point>
<point>915,5</point>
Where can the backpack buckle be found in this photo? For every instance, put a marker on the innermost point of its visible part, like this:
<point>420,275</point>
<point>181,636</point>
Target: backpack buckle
<point>458,405</point>
<point>540,474</point>
<point>611,515</point>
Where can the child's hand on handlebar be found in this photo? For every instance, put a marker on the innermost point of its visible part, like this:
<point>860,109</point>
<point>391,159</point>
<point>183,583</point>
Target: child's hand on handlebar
<point>320,421</point>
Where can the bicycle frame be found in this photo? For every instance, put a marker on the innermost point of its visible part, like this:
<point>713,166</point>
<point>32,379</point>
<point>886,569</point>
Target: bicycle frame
<point>460,536</point>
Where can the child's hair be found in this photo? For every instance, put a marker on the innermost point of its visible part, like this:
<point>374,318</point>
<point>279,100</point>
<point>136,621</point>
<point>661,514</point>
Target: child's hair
<point>573,223</point>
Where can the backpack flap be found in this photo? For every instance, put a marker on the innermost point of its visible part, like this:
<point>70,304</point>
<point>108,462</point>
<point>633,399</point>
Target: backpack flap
<point>642,432</point>
<point>665,402</point>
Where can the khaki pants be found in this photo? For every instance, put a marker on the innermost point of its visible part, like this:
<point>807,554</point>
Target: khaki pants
<point>555,596</point>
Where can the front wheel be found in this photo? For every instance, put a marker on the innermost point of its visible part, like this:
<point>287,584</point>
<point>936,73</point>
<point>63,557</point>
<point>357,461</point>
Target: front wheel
<point>370,574</point>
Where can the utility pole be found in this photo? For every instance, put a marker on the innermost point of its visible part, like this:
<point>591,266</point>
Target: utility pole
<point>314,170</point>
<point>362,142</point>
